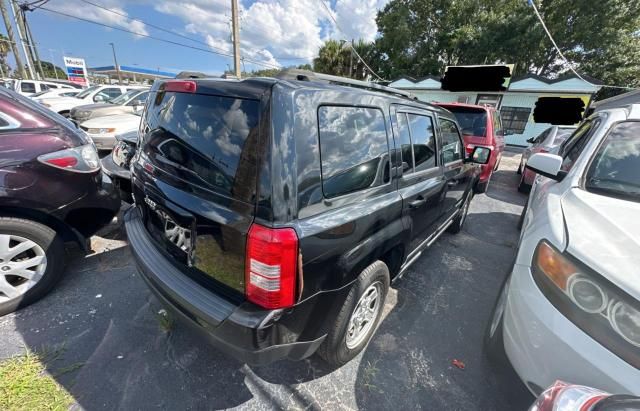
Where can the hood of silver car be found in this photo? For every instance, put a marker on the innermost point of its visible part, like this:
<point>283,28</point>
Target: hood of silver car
<point>604,233</point>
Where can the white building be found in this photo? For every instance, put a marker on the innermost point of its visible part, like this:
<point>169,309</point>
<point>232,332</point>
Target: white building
<point>516,104</point>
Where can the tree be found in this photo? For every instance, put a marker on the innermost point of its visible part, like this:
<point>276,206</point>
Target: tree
<point>5,49</point>
<point>421,37</point>
<point>332,59</point>
<point>50,70</point>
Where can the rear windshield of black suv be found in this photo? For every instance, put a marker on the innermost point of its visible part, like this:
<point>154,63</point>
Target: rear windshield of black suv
<point>205,140</point>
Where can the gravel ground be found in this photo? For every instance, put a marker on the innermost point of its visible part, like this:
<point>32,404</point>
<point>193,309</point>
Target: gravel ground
<point>119,353</point>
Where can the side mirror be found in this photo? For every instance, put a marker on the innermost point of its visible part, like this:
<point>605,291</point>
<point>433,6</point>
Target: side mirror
<point>405,166</point>
<point>479,155</point>
<point>99,98</point>
<point>547,165</point>
<point>138,110</point>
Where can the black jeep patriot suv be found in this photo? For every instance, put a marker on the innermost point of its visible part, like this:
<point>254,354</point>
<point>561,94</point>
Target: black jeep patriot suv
<point>272,214</point>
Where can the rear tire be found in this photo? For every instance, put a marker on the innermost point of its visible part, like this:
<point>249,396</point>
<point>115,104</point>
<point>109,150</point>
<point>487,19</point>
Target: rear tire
<point>343,341</point>
<point>458,222</point>
<point>18,292</point>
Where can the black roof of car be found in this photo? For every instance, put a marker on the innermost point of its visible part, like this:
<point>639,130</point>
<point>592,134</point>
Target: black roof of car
<point>255,87</point>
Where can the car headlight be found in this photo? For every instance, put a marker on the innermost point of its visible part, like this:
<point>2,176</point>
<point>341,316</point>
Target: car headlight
<point>100,130</point>
<point>596,305</point>
<point>82,114</point>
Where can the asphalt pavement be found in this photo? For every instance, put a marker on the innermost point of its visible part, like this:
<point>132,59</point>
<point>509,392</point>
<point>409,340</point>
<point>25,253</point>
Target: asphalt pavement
<point>116,350</point>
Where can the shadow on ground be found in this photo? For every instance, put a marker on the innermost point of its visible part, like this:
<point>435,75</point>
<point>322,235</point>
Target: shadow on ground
<point>119,353</point>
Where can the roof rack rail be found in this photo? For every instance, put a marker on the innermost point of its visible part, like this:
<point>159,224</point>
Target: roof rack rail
<point>307,75</point>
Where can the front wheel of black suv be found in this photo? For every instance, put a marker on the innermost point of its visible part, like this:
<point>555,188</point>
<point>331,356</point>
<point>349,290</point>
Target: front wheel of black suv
<point>359,316</point>
<point>458,222</point>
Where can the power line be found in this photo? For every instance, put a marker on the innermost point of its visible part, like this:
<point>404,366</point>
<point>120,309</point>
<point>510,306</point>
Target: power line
<point>352,48</point>
<point>566,61</point>
<point>151,25</point>
<point>263,64</point>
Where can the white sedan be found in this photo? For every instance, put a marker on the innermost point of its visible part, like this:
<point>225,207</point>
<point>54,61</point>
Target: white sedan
<point>103,130</point>
<point>570,310</point>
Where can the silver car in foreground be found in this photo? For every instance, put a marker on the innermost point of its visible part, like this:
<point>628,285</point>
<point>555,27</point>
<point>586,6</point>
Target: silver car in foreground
<point>570,310</point>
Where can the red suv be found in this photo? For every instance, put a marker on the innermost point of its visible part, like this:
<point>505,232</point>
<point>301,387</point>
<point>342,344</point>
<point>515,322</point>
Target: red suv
<point>481,126</point>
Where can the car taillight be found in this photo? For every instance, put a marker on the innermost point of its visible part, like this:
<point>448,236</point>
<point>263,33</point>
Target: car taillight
<point>180,86</point>
<point>566,397</point>
<point>271,266</point>
<point>470,148</point>
<point>81,159</point>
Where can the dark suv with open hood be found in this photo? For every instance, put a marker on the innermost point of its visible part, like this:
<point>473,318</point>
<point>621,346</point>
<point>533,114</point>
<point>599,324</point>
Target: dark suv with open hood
<point>273,213</point>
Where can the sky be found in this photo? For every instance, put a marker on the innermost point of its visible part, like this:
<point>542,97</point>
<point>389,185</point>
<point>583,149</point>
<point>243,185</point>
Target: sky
<point>274,33</point>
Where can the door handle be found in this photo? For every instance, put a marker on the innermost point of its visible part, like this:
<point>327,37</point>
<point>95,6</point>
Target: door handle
<point>417,203</point>
<point>452,183</point>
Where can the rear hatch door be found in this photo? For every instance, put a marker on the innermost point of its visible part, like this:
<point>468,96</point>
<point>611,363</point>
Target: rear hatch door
<point>198,191</point>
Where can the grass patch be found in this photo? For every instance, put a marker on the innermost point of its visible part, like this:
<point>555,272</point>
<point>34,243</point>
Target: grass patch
<point>25,385</point>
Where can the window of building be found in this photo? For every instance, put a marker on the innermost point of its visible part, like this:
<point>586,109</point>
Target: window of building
<point>424,145</point>
<point>514,119</point>
<point>492,100</point>
<point>354,151</point>
<point>451,143</point>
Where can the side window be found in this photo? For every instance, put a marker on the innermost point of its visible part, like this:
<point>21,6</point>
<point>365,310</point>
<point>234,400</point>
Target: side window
<point>424,145</point>
<point>497,124</point>
<point>354,151</point>
<point>27,87</point>
<point>452,149</point>
<point>7,122</point>
<point>573,147</point>
<point>45,86</point>
<point>515,119</point>
<point>112,92</point>
<point>405,143</point>
<point>541,137</point>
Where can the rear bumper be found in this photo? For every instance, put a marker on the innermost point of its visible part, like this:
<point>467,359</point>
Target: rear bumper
<point>243,331</point>
<point>103,142</point>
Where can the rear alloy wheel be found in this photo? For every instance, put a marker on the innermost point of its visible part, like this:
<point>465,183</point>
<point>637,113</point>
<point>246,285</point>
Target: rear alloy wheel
<point>359,316</point>
<point>31,261</point>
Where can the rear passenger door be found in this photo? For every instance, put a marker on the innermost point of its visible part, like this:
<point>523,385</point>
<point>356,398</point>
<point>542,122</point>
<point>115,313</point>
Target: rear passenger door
<point>421,184</point>
<point>457,179</point>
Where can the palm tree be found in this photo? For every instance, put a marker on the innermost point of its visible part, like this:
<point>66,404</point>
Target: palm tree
<point>332,58</point>
<point>5,49</point>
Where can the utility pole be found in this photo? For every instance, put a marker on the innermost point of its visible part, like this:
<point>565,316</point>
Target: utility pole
<point>236,38</point>
<point>22,39</point>
<point>115,60</point>
<point>32,42</point>
<point>351,60</point>
<point>12,40</point>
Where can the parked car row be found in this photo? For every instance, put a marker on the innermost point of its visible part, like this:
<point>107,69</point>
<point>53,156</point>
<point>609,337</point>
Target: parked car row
<point>570,309</point>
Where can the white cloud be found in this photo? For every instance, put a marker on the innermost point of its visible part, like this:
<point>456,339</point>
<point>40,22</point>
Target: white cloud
<point>116,17</point>
<point>272,31</point>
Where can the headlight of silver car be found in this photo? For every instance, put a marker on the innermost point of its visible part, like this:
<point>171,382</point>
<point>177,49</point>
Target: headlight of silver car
<point>596,305</point>
<point>100,130</point>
